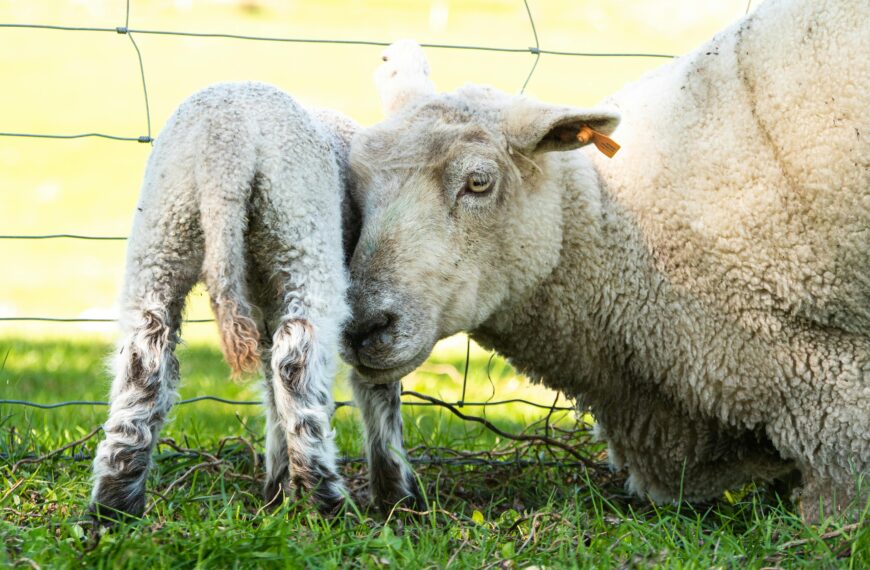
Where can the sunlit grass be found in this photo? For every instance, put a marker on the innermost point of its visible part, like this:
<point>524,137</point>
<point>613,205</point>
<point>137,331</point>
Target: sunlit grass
<point>477,516</point>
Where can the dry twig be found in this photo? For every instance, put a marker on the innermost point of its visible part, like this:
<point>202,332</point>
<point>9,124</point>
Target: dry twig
<point>495,429</point>
<point>826,536</point>
<point>57,451</point>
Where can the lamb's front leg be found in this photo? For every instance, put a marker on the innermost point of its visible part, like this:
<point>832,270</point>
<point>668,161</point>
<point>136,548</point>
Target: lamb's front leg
<point>300,399</point>
<point>391,479</point>
<point>143,391</point>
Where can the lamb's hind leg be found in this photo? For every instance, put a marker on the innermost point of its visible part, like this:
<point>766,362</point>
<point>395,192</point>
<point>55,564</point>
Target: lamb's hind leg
<point>296,274</point>
<point>297,344</point>
<point>277,459</point>
<point>160,272</point>
<point>298,348</point>
<point>391,480</point>
<point>299,396</point>
<point>146,377</point>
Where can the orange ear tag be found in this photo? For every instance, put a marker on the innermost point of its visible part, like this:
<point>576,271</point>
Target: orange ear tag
<point>602,142</point>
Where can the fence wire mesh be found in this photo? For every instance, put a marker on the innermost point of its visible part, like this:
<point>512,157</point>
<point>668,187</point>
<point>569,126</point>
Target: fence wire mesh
<point>131,32</point>
<point>411,398</point>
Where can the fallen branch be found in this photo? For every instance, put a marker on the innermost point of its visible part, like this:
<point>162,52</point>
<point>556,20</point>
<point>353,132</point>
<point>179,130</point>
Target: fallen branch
<point>828,535</point>
<point>495,429</point>
<point>169,442</point>
<point>51,454</point>
<point>448,514</point>
<point>243,441</point>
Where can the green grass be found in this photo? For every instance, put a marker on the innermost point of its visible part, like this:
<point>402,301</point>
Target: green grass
<point>497,516</point>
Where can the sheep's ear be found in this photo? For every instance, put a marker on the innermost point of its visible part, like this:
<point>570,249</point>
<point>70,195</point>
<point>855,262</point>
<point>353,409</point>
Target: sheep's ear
<point>536,127</point>
<point>403,76</point>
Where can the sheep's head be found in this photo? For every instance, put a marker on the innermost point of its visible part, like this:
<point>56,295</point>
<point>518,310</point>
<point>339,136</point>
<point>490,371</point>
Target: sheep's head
<point>459,216</point>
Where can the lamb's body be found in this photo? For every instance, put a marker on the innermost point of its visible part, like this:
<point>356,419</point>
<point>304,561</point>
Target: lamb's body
<point>706,292</point>
<point>244,189</point>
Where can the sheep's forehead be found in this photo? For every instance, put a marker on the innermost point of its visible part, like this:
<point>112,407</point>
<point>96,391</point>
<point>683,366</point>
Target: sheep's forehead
<point>427,132</point>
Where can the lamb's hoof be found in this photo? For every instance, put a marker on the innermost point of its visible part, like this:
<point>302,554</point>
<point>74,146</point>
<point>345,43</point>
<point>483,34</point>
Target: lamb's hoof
<point>328,502</point>
<point>118,499</point>
<point>407,500</point>
<point>331,503</point>
<point>107,518</point>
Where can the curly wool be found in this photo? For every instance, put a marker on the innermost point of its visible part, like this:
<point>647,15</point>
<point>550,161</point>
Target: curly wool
<point>744,174</point>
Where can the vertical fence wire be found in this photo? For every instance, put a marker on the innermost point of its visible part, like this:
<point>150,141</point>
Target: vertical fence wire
<point>536,51</point>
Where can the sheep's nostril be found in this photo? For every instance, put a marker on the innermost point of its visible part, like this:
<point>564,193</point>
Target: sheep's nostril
<point>374,331</point>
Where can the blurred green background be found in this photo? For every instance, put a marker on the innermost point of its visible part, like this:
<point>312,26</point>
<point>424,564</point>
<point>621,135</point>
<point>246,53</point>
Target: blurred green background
<point>65,82</point>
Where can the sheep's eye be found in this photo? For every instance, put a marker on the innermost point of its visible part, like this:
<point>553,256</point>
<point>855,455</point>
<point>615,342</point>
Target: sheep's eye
<point>385,58</point>
<point>479,182</point>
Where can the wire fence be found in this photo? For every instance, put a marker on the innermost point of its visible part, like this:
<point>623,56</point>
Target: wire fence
<point>131,32</point>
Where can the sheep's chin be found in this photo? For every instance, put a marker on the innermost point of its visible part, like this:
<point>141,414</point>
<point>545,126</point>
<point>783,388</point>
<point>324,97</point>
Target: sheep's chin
<point>393,374</point>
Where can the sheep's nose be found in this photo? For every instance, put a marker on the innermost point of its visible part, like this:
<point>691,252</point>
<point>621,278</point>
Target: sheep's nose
<point>374,332</point>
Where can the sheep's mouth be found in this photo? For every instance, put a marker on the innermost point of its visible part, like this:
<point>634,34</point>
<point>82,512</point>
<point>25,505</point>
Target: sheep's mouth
<point>392,373</point>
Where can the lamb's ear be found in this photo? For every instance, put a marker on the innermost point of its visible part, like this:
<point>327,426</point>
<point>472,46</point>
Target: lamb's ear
<point>531,126</point>
<point>403,77</point>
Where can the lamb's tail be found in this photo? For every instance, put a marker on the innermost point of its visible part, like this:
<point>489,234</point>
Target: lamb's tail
<point>224,176</point>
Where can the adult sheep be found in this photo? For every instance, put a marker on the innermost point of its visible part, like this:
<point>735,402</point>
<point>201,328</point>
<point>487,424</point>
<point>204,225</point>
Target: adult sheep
<point>706,292</point>
<point>244,189</point>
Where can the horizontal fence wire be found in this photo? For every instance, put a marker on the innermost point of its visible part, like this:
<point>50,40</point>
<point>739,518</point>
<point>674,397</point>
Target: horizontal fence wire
<point>338,404</point>
<point>424,461</point>
<point>65,236</point>
<point>130,31</point>
<point>80,320</point>
<point>536,50</point>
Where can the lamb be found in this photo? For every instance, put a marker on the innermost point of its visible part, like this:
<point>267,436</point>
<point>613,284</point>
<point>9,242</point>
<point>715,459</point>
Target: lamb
<point>244,189</point>
<point>706,293</point>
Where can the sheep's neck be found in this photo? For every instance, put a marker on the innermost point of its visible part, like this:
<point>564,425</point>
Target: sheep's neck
<point>554,333</point>
<point>586,327</point>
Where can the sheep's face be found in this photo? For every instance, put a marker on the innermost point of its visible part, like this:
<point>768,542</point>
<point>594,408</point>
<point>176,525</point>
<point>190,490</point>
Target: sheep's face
<point>459,218</point>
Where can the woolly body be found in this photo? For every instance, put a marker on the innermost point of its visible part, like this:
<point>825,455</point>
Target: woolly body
<point>746,169</point>
<point>244,189</point>
<point>736,287</point>
<point>706,292</point>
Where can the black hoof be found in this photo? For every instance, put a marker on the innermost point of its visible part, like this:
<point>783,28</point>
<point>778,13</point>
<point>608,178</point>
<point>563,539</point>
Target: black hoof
<point>331,505</point>
<point>409,498</point>
<point>109,517</point>
<point>327,502</point>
